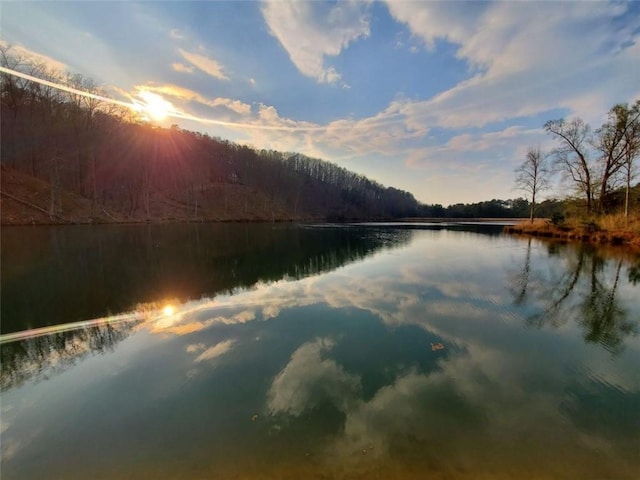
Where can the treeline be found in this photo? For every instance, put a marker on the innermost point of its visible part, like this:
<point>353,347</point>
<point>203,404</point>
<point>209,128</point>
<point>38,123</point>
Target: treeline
<point>512,208</point>
<point>131,170</point>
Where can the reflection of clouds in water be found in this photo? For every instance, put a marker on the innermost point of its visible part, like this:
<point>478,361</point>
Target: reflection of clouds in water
<point>466,301</point>
<point>13,443</point>
<point>184,328</point>
<point>472,397</point>
<point>504,380</point>
<point>185,323</point>
<point>309,379</point>
<point>9,448</point>
<point>216,351</point>
<point>195,347</point>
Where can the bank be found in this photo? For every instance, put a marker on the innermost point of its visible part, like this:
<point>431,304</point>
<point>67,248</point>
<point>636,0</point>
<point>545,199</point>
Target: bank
<point>606,229</point>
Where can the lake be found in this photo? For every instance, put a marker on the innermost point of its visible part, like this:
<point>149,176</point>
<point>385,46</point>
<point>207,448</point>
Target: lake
<point>259,351</point>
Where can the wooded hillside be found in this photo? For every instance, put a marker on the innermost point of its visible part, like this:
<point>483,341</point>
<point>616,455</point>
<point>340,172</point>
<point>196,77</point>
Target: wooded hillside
<point>122,169</point>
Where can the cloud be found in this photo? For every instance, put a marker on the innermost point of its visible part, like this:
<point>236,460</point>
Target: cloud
<point>19,51</point>
<point>195,347</point>
<point>204,63</point>
<point>237,106</point>
<point>181,67</point>
<point>179,92</point>
<point>309,378</point>
<point>311,31</point>
<point>176,34</point>
<point>216,351</point>
<point>525,58</point>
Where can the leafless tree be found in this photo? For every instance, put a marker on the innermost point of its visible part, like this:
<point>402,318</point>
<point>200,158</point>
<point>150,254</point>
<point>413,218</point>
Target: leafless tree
<point>572,154</point>
<point>532,176</point>
<point>615,141</point>
<point>632,141</point>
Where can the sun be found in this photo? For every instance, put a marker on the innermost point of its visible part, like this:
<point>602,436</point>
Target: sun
<point>168,310</point>
<point>154,106</point>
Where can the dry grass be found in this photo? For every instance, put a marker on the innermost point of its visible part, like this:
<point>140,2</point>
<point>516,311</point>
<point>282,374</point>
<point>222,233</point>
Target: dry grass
<point>607,229</point>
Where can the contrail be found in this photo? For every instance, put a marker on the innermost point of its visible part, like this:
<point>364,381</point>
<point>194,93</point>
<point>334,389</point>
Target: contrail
<point>186,116</point>
<point>173,113</point>
<point>65,88</point>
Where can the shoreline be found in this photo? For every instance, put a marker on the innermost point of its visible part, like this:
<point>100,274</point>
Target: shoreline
<point>585,232</point>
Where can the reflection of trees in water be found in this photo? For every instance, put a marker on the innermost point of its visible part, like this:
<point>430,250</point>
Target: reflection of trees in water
<point>603,318</point>
<point>38,358</point>
<point>63,275</point>
<point>634,272</point>
<point>576,288</point>
<point>211,260</point>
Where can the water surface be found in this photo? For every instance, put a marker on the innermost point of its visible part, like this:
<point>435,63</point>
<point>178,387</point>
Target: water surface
<point>326,352</point>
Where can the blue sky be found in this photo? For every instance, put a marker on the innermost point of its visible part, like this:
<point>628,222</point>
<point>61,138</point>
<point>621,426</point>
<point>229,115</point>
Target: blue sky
<point>438,98</point>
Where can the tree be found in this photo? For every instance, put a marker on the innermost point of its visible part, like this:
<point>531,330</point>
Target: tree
<point>632,143</point>
<point>532,176</point>
<point>572,154</point>
<point>615,140</point>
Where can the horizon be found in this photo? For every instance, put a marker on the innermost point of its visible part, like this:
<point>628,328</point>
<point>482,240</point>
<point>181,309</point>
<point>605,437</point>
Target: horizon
<point>297,76</point>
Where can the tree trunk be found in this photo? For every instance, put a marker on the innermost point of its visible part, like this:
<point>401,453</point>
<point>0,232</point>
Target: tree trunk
<point>533,206</point>
<point>627,193</point>
<point>55,199</point>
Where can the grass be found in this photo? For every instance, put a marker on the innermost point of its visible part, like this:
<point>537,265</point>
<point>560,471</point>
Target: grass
<point>614,229</point>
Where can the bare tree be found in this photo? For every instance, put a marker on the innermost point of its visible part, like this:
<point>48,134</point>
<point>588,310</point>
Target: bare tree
<point>632,143</point>
<point>614,140</point>
<point>572,154</point>
<point>532,176</point>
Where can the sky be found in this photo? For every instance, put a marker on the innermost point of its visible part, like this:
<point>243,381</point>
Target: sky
<point>441,99</point>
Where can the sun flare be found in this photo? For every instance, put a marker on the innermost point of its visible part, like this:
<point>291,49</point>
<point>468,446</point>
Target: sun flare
<point>168,310</point>
<point>154,106</point>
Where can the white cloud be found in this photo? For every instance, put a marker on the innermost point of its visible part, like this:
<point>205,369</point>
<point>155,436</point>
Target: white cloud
<point>204,63</point>
<point>311,31</point>
<point>528,58</point>
<point>237,106</point>
<point>181,67</point>
<point>186,94</point>
<point>216,351</point>
<point>195,347</point>
<point>310,378</point>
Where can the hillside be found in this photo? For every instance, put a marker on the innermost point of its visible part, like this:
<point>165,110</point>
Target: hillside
<point>25,200</point>
<point>70,159</point>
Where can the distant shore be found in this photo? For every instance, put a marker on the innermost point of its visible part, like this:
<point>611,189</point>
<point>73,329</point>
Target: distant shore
<point>607,230</point>
<point>460,220</point>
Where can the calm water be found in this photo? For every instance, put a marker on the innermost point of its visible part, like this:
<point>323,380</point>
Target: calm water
<point>317,352</point>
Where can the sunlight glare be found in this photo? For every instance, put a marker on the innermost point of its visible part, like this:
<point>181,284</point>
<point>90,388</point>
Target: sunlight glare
<point>154,106</point>
<point>168,310</point>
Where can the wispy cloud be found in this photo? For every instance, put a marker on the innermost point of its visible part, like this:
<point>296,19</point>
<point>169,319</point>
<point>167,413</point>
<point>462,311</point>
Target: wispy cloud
<point>216,351</point>
<point>176,34</point>
<point>309,378</point>
<point>204,63</point>
<point>20,51</point>
<point>525,58</point>
<point>181,67</point>
<point>186,94</point>
<point>311,31</point>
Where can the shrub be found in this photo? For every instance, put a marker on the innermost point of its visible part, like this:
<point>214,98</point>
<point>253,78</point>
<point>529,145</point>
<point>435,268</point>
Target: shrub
<point>557,219</point>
